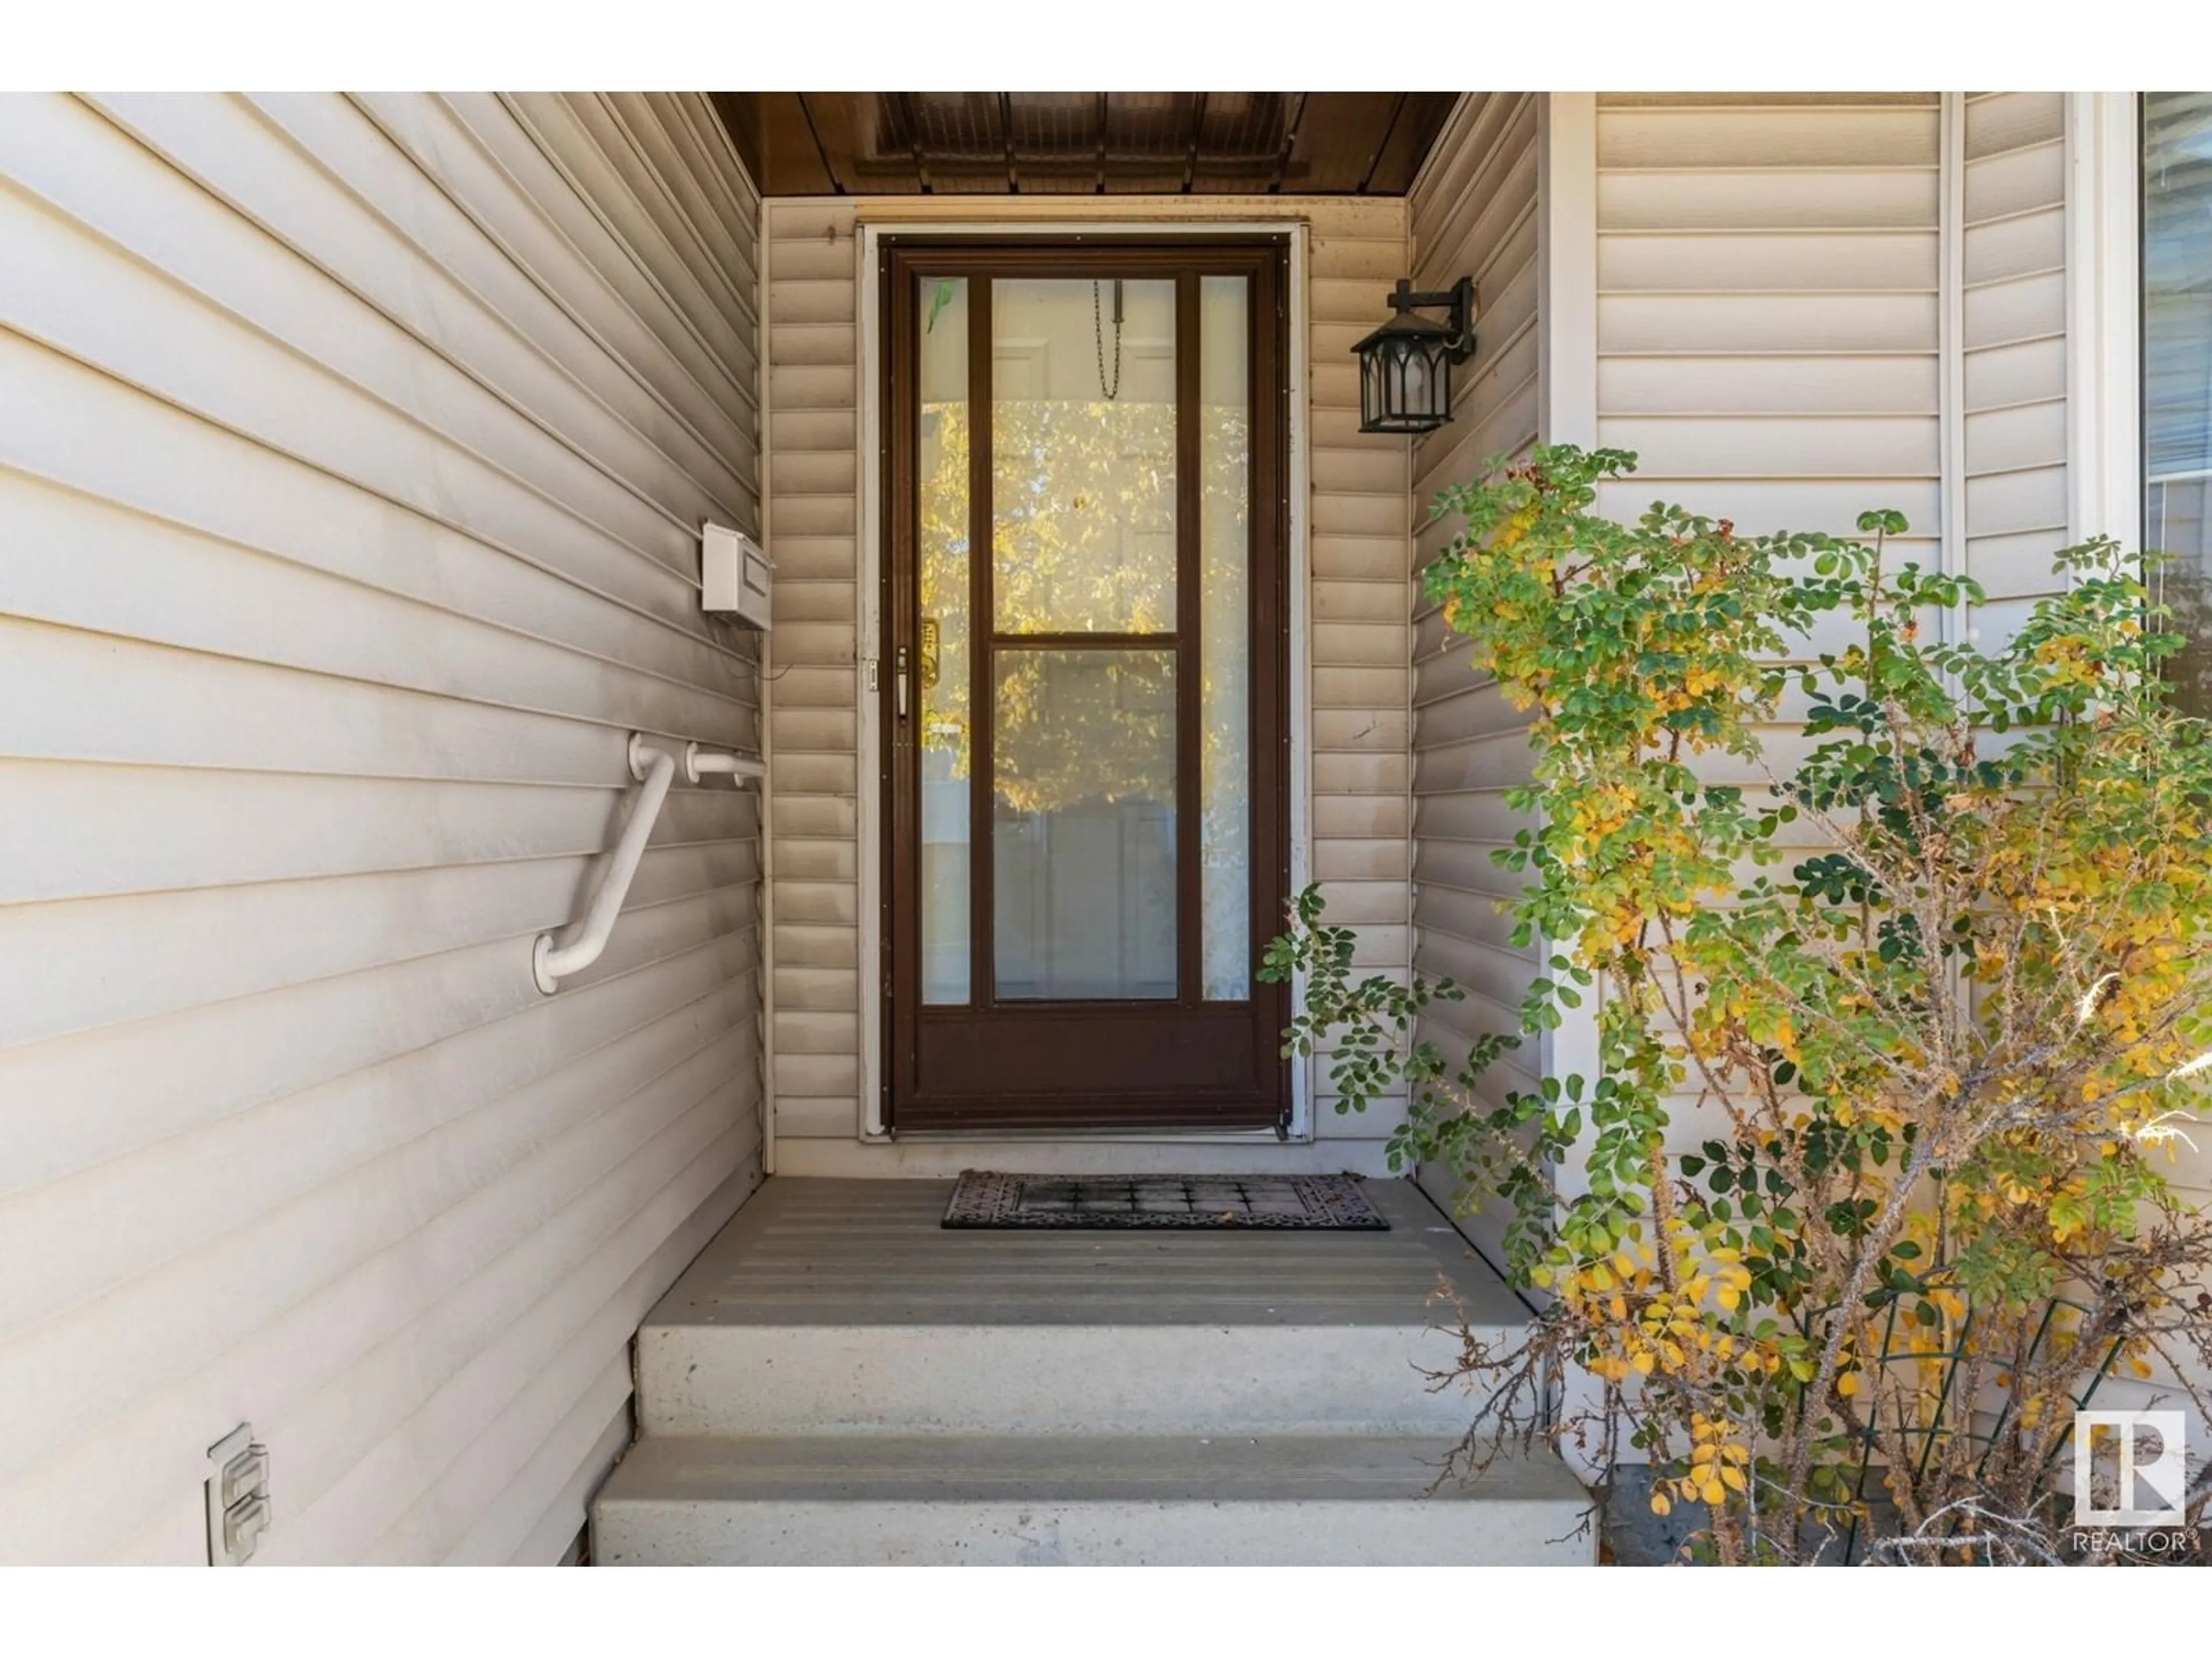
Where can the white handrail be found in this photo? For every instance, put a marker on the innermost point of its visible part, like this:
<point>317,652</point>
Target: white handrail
<point>655,768</point>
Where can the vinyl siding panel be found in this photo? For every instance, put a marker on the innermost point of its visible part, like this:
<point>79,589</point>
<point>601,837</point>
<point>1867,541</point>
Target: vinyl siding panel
<point>1358,552</point>
<point>2013,409</point>
<point>1358,642</point>
<point>1474,213</point>
<point>1771,318</point>
<point>1768,306</point>
<point>351,463</point>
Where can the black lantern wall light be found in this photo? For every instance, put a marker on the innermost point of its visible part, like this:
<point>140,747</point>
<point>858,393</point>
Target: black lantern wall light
<point>1406,365</point>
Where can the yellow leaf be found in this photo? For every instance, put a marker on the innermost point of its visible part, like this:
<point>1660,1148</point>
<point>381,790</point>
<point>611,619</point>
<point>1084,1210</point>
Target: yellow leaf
<point>1659,1503</point>
<point>1732,1478</point>
<point>1714,1493</point>
<point>1644,1362</point>
<point>1848,1384</point>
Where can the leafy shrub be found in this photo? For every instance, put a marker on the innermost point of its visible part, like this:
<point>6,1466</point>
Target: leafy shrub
<point>1894,1040</point>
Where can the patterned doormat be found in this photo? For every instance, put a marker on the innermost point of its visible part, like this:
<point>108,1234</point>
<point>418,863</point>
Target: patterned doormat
<point>1333,1203</point>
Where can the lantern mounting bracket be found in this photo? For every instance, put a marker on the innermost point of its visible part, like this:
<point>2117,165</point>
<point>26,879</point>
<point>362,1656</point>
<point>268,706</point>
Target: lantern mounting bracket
<point>1458,299</point>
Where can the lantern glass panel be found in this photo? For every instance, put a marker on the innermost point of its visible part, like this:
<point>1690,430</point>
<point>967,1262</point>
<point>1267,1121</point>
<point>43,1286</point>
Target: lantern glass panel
<point>1415,397</point>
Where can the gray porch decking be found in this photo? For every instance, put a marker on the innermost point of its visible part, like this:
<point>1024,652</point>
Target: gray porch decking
<point>839,1379</point>
<point>872,1253</point>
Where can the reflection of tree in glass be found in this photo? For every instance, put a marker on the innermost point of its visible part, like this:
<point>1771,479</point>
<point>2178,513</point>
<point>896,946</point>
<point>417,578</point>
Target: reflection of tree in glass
<point>1084,511</point>
<point>2176,521</point>
<point>1082,505</point>
<point>944,545</point>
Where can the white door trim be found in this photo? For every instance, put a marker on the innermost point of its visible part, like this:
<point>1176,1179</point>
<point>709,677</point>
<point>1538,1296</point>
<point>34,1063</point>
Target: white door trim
<point>869,620</point>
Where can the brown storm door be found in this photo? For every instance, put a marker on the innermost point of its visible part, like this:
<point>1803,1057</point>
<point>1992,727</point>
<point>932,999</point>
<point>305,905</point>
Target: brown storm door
<point>1086,620</point>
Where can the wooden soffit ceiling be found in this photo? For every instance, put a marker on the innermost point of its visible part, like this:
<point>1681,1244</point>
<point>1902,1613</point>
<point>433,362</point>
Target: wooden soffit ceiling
<point>1199,144</point>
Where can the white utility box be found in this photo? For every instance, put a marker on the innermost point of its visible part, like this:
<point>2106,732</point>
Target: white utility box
<point>734,573</point>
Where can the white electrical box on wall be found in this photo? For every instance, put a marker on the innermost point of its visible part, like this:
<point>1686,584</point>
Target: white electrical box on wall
<point>733,574</point>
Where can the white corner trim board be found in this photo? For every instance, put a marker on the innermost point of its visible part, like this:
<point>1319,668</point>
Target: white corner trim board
<point>551,962</point>
<point>2103,293</point>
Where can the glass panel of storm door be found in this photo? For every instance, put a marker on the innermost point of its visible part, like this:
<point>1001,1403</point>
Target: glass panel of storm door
<point>1083,453</point>
<point>1224,455</point>
<point>1083,844</point>
<point>2176,371</point>
<point>941,673</point>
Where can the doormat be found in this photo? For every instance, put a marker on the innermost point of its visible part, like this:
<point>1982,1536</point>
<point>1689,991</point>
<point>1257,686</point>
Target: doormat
<point>1333,1203</point>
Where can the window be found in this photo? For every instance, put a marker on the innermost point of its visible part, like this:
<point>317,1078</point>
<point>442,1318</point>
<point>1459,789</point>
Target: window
<point>2177,368</point>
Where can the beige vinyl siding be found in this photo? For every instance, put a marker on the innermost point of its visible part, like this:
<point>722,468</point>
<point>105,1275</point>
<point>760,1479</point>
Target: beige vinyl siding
<point>1770,309</point>
<point>1474,213</point>
<point>813,518</point>
<point>2013,385</point>
<point>351,464</point>
<point>1359,637</point>
<point>1770,304</point>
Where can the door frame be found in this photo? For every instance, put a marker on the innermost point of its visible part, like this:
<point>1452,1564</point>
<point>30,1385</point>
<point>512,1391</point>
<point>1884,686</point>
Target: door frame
<point>872,671</point>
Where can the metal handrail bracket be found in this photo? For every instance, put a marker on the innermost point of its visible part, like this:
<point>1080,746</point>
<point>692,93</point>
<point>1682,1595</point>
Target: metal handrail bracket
<point>551,961</point>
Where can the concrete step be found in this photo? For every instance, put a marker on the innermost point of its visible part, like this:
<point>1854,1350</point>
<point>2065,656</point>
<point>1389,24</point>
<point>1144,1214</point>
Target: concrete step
<point>1073,1379</point>
<point>945,1499</point>
<point>841,1306</point>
